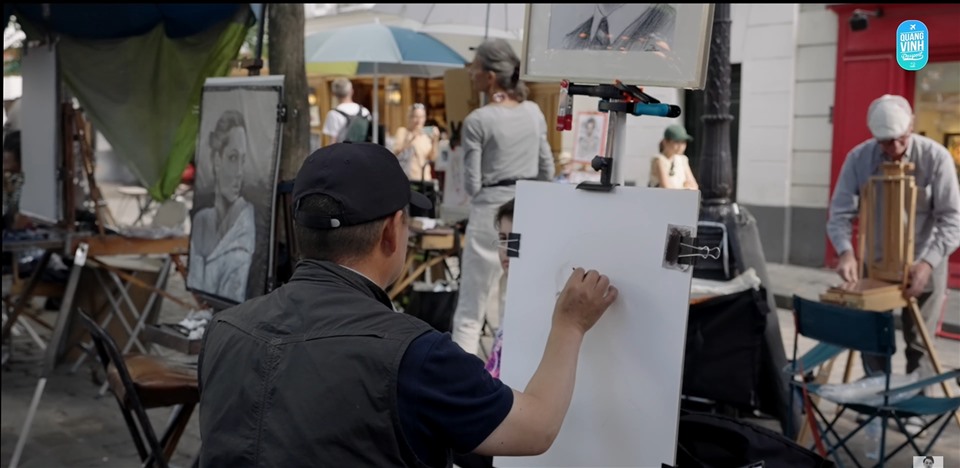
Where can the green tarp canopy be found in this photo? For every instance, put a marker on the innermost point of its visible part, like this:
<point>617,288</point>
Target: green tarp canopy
<point>138,71</point>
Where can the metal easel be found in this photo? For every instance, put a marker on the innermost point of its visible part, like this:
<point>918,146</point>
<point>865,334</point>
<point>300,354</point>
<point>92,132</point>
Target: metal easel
<point>619,100</point>
<point>53,348</point>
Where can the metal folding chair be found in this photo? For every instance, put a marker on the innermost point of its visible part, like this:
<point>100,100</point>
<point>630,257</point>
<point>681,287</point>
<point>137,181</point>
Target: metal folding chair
<point>868,332</point>
<point>140,382</point>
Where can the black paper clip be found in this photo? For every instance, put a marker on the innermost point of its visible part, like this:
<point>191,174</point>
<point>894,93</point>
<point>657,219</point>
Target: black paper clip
<point>682,249</point>
<point>513,244</point>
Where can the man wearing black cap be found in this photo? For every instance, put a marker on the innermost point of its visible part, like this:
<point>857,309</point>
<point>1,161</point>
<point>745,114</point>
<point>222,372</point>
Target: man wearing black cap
<point>323,372</point>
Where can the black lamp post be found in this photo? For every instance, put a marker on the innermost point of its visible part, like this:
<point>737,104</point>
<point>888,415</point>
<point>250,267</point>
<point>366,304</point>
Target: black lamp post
<point>716,169</point>
<point>719,212</point>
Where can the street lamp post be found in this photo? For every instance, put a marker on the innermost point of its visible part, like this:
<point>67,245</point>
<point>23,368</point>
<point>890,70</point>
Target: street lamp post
<point>716,168</point>
<point>719,212</point>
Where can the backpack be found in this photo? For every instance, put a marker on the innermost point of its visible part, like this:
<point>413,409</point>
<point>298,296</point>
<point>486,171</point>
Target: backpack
<point>357,128</point>
<point>713,441</point>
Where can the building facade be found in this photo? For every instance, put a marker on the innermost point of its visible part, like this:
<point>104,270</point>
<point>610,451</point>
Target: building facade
<point>807,78</point>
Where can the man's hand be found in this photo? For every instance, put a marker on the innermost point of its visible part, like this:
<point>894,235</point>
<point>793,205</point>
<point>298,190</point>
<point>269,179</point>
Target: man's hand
<point>586,296</point>
<point>537,413</point>
<point>848,267</point>
<point>919,276</point>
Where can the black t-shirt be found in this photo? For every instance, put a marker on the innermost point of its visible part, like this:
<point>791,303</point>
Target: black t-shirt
<point>445,398</point>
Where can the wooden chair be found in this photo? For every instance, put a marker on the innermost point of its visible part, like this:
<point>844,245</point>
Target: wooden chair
<point>140,382</point>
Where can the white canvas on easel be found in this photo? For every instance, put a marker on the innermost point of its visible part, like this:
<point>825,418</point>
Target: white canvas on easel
<point>40,129</point>
<point>626,402</point>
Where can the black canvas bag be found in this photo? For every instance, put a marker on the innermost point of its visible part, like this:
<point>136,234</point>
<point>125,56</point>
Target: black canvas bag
<point>714,441</point>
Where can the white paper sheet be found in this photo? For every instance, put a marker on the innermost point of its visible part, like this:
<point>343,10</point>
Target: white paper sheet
<point>626,401</point>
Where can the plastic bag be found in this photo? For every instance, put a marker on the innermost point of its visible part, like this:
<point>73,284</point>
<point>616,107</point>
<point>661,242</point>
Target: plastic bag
<point>867,391</point>
<point>703,288</point>
<point>195,323</point>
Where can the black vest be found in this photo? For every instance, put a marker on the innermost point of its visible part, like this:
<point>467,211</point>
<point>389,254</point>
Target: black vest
<point>306,376</point>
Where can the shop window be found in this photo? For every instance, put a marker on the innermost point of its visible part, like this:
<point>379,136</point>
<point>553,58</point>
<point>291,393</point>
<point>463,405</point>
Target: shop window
<point>937,105</point>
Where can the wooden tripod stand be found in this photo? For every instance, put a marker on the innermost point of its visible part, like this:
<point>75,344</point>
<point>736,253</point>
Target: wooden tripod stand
<point>887,222</point>
<point>76,139</point>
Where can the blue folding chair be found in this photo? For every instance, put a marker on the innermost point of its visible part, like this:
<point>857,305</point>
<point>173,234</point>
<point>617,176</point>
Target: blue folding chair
<point>838,328</point>
<point>814,366</point>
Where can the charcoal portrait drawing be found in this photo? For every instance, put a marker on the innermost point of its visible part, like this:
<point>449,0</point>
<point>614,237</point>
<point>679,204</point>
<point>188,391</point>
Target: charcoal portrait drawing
<point>225,237</point>
<point>647,27</point>
<point>234,193</point>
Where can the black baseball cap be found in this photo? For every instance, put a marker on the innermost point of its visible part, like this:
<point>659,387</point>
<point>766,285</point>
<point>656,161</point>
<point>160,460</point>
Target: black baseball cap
<point>365,178</point>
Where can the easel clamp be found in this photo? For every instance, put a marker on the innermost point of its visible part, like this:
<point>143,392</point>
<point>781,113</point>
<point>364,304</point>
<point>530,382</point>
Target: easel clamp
<point>513,244</point>
<point>682,248</point>
<point>616,98</point>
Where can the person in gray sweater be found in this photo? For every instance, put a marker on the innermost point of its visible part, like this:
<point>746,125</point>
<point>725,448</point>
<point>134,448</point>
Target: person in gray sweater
<point>503,142</point>
<point>937,220</point>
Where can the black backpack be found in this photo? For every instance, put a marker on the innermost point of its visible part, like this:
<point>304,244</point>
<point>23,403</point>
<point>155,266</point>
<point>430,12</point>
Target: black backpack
<point>358,127</point>
<point>714,441</point>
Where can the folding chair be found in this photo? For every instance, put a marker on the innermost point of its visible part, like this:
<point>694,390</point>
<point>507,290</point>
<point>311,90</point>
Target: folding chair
<point>141,382</point>
<point>867,332</point>
<point>816,366</point>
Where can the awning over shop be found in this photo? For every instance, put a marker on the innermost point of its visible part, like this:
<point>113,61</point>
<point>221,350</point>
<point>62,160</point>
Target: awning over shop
<point>138,71</point>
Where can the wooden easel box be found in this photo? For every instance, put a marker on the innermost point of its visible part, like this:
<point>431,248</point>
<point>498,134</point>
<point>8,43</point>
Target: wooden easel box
<point>866,294</point>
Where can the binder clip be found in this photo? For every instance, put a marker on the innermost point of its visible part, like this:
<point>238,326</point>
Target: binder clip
<point>681,250</point>
<point>513,245</point>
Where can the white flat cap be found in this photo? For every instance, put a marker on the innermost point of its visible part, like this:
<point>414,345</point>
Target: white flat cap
<point>889,116</point>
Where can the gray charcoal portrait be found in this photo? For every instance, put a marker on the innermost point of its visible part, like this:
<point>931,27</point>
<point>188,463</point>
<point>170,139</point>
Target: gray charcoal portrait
<point>621,27</point>
<point>234,192</point>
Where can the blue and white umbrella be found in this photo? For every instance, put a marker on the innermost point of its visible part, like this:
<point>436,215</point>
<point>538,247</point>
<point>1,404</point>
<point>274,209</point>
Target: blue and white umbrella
<point>383,48</point>
<point>480,20</point>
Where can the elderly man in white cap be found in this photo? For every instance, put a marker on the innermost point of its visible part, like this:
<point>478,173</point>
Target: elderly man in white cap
<point>937,234</point>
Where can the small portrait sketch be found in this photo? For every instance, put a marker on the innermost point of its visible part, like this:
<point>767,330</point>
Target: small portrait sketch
<point>620,27</point>
<point>928,461</point>
<point>589,136</point>
<point>231,225</point>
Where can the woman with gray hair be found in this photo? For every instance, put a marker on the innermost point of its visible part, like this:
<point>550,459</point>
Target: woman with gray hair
<point>503,142</point>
